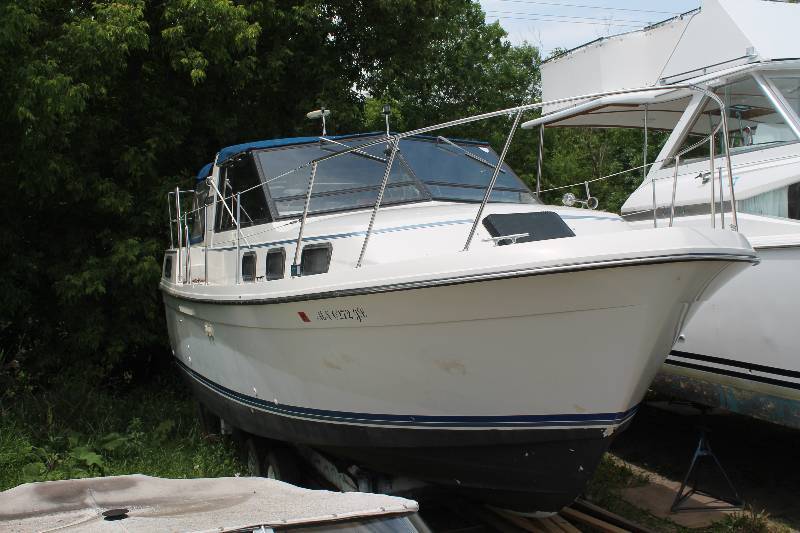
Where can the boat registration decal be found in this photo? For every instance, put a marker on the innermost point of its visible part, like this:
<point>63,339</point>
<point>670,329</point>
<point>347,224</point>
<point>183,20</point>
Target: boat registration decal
<point>352,313</point>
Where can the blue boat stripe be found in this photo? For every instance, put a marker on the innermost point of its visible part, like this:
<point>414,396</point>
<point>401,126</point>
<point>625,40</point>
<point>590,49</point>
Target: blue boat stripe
<point>569,420</point>
<point>389,230</point>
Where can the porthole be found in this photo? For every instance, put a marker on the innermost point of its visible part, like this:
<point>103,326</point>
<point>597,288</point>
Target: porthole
<point>249,266</point>
<point>275,264</point>
<point>316,259</point>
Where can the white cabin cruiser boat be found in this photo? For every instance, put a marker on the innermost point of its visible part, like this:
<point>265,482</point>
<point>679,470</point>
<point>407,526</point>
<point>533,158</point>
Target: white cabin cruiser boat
<point>739,351</point>
<point>405,302</point>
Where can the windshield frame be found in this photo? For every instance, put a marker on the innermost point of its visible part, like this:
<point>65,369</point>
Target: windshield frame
<point>762,81</point>
<point>425,191</point>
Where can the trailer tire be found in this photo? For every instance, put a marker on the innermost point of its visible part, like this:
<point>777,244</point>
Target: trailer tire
<point>282,464</point>
<point>210,423</point>
<point>254,456</point>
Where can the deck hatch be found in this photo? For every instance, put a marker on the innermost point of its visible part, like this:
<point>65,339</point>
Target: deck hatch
<point>539,226</point>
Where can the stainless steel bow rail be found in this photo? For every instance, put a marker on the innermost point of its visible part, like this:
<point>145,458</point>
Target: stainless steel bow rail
<point>393,142</point>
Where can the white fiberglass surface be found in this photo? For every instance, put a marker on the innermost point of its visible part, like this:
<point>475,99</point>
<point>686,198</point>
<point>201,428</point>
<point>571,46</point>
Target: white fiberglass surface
<point>440,345</point>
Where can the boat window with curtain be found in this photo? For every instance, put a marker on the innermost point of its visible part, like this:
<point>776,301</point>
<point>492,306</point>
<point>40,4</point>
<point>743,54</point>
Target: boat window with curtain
<point>783,202</point>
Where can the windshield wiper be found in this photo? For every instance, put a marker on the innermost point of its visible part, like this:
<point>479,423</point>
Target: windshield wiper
<point>355,152</point>
<point>467,153</point>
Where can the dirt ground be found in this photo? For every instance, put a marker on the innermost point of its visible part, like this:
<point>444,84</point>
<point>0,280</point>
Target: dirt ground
<point>762,459</point>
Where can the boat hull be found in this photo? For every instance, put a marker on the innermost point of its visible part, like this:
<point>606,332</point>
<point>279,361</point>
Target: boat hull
<point>510,389</point>
<point>739,350</point>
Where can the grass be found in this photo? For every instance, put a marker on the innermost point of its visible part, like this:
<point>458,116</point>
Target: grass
<point>612,476</point>
<point>73,430</point>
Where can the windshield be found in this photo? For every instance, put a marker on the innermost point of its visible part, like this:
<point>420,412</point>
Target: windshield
<point>789,87</point>
<point>423,169</point>
<point>753,122</point>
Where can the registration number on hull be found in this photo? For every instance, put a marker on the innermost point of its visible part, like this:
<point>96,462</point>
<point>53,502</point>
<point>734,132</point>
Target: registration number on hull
<point>352,313</point>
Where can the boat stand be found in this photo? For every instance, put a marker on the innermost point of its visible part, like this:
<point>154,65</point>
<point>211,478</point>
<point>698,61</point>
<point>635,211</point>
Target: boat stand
<point>691,481</point>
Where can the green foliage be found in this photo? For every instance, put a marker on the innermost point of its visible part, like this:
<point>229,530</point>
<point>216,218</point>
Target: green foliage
<point>105,106</point>
<point>73,432</point>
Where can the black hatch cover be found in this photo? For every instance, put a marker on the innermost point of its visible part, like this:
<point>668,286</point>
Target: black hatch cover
<point>540,226</point>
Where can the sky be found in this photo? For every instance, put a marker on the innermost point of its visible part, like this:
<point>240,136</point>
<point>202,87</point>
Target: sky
<point>551,24</point>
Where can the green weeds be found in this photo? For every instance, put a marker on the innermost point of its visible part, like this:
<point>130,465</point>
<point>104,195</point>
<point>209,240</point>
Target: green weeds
<point>72,431</point>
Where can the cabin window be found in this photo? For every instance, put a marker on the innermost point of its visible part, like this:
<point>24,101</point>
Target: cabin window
<point>753,122</point>
<point>197,216</point>
<point>315,259</point>
<point>275,264</point>
<point>460,171</point>
<point>783,202</point>
<point>168,267</point>
<point>349,181</point>
<point>240,176</point>
<point>249,266</point>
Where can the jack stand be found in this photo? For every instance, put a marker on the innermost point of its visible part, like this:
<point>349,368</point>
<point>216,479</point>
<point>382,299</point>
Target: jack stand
<point>704,450</point>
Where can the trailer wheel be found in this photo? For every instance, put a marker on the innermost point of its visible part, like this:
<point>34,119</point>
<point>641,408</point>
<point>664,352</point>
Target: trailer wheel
<point>254,456</point>
<point>282,464</point>
<point>210,423</point>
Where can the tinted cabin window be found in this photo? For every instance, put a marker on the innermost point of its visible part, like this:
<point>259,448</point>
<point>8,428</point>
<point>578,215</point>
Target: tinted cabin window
<point>249,266</point>
<point>197,216</point>
<point>461,171</point>
<point>276,261</point>
<point>347,182</point>
<point>316,259</point>
<point>240,175</point>
<point>168,267</point>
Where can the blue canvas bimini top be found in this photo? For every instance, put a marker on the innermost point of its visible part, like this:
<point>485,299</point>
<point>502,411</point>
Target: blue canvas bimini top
<point>230,151</point>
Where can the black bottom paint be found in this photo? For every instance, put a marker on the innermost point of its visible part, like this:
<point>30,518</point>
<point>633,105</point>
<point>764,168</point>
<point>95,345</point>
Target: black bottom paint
<point>526,470</point>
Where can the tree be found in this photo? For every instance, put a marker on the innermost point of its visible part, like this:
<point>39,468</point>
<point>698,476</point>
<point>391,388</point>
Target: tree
<point>105,106</point>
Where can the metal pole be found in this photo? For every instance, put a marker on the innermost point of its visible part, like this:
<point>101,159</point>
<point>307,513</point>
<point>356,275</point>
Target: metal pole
<point>493,180</point>
<point>674,190</point>
<point>169,210</point>
<point>539,162</point>
<point>238,234</point>
<point>188,278</point>
<point>721,201</point>
<point>296,263</point>
<point>644,167</point>
<point>205,263</point>
<point>735,225</point>
<point>711,178</point>
<point>233,217</point>
<point>395,145</point>
<point>179,270</point>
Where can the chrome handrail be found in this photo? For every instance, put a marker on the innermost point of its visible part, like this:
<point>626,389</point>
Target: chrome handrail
<point>389,163</point>
<point>518,111</point>
<point>489,189</point>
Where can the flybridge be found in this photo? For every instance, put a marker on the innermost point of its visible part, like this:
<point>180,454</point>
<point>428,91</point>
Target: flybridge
<point>720,35</point>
